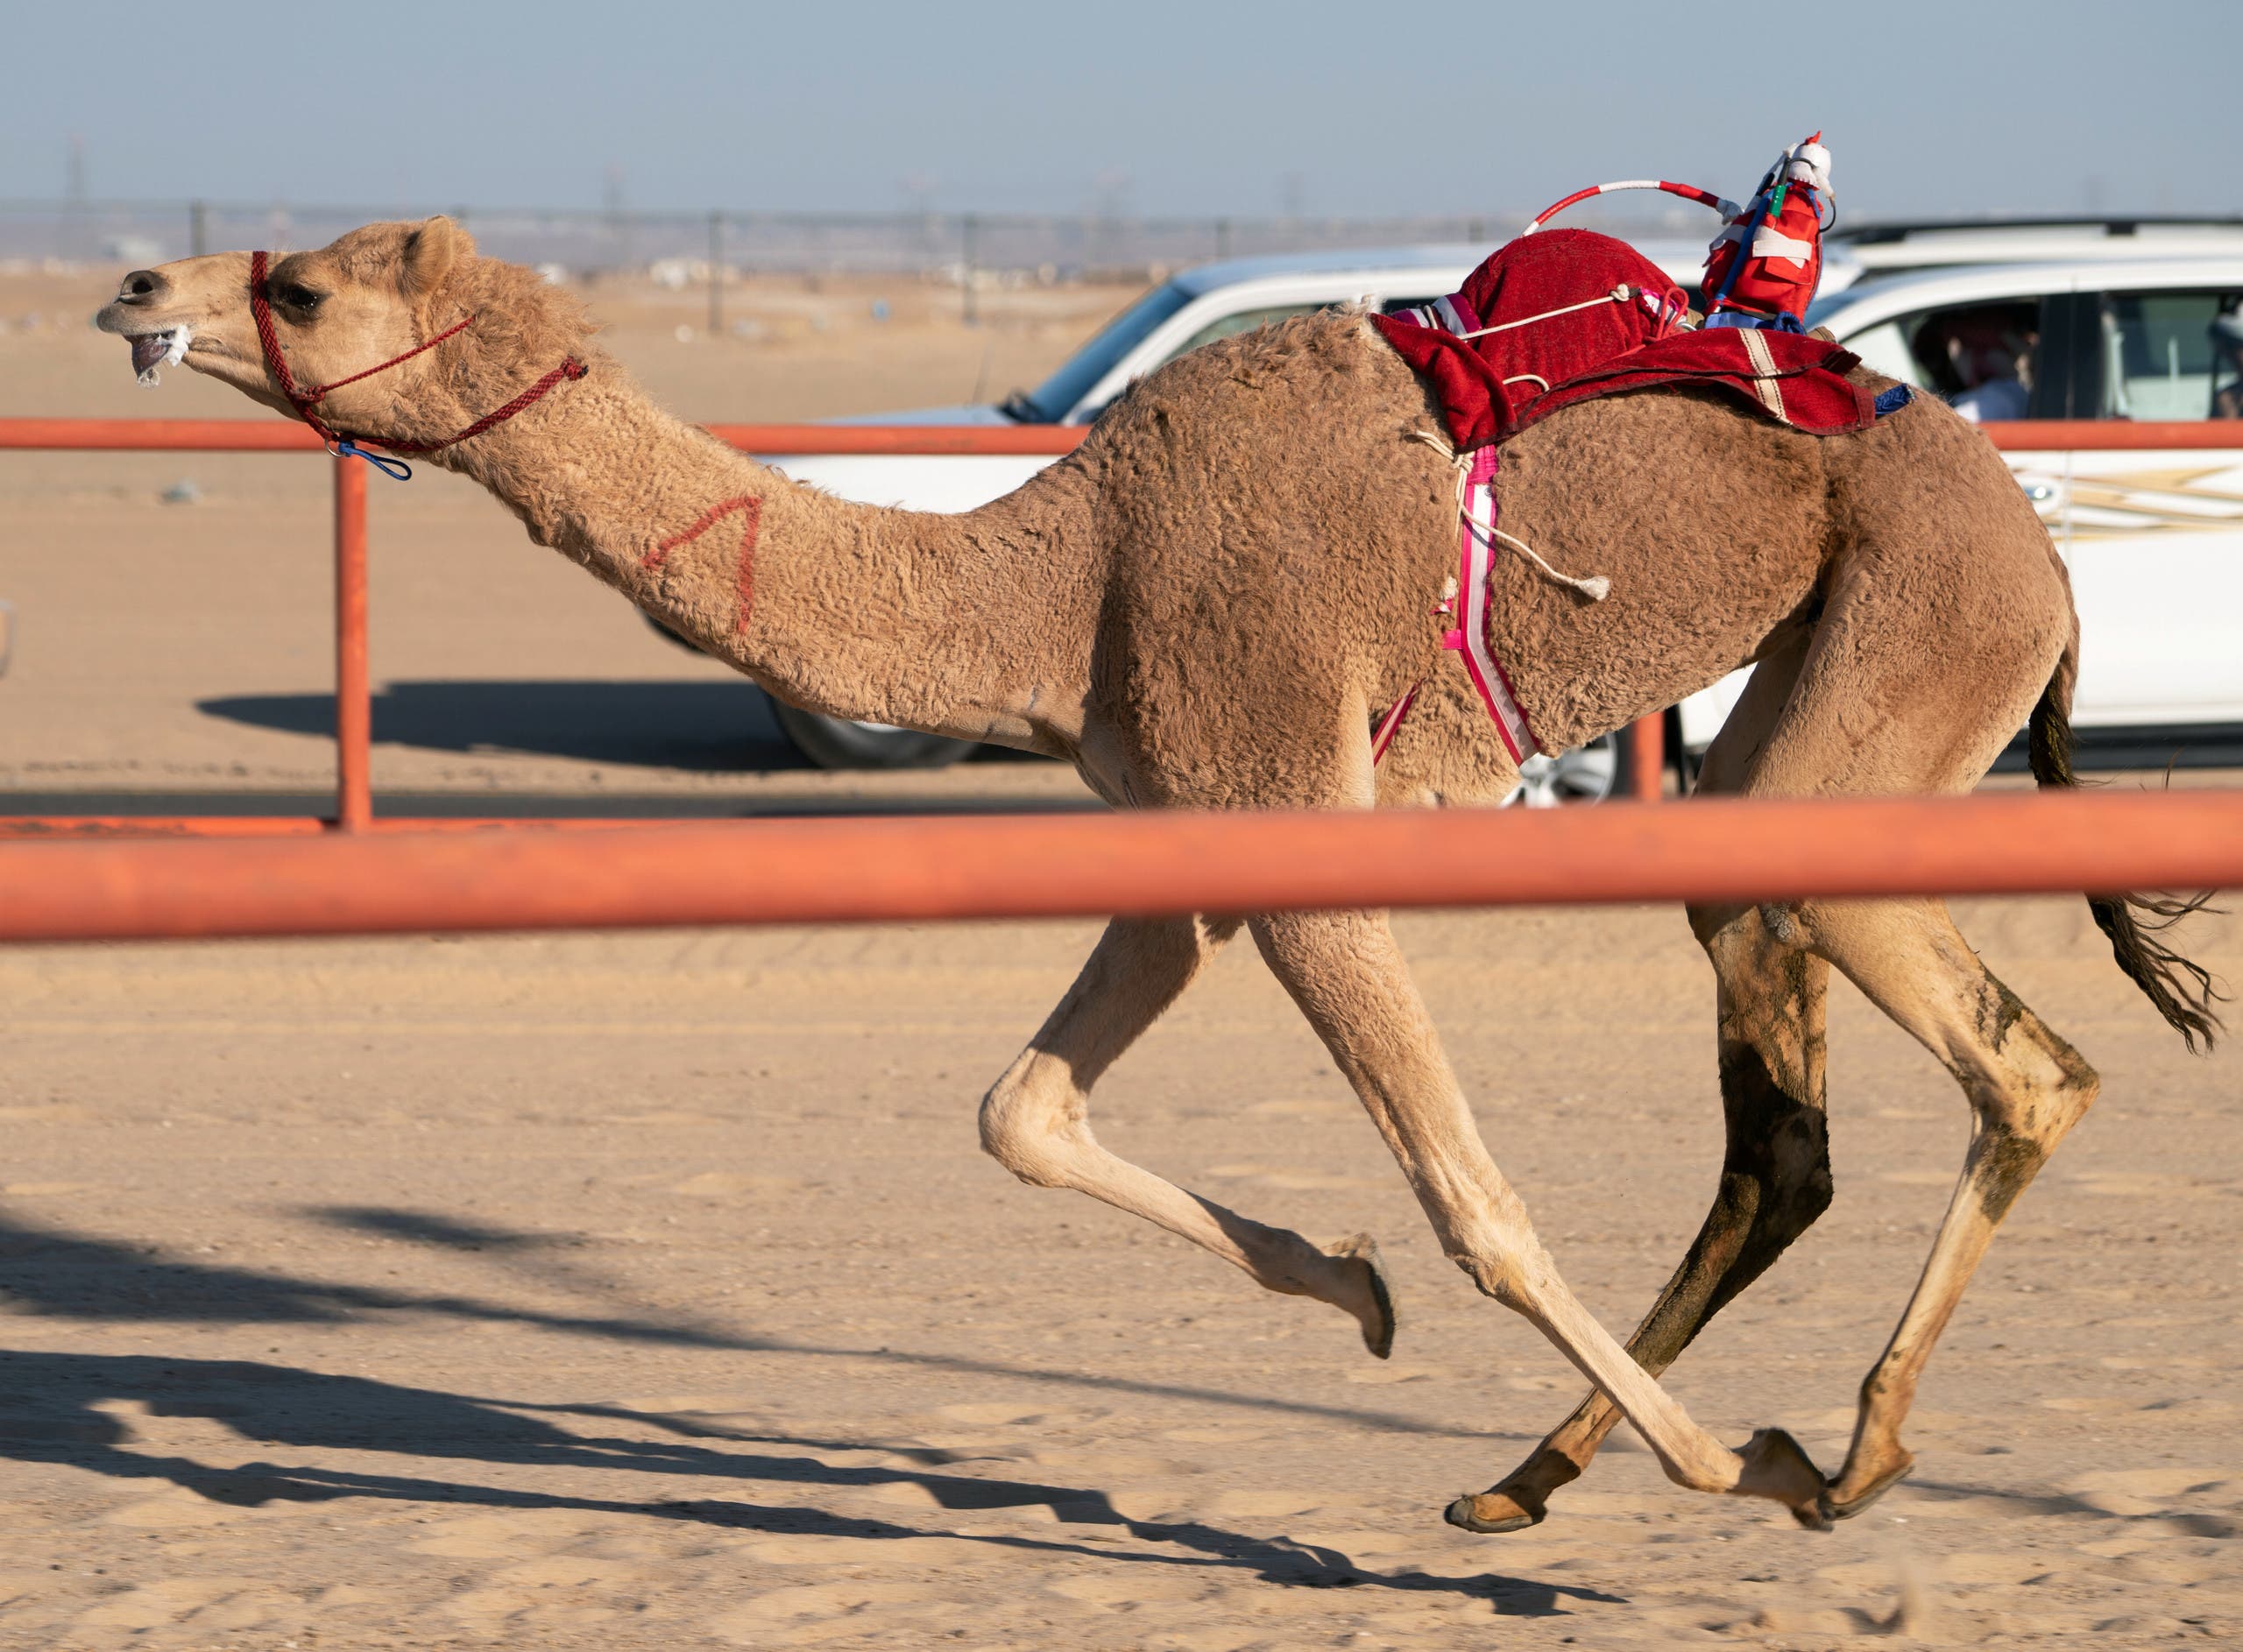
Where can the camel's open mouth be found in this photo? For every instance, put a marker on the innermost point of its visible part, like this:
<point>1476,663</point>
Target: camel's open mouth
<point>152,351</point>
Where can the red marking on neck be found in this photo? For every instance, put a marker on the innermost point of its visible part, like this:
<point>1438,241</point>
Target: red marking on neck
<point>750,512</point>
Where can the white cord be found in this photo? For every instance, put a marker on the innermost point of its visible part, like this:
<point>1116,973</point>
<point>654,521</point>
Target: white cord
<point>1596,587</point>
<point>1618,295</point>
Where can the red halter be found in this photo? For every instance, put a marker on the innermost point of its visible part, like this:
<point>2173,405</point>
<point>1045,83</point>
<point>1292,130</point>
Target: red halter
<point>260,303</point>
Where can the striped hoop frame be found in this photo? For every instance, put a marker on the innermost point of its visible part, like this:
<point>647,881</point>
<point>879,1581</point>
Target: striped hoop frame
<point>1688,192</point>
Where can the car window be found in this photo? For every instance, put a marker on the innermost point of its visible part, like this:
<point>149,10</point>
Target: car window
<point>1243,321</point>
<point>1056,397</point>
<point>1884,348</point>
<point>1984,358</point>
<point>2168,355</point>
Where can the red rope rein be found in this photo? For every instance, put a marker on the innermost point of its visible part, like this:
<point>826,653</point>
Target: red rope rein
<point>570,369</point>
<point>304,401</point>
<point>456,327</point>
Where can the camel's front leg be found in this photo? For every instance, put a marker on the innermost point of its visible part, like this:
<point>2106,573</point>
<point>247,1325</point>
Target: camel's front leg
<point>1036,1123</point>
<point>1347,975</point>
<point>1775,1180</point>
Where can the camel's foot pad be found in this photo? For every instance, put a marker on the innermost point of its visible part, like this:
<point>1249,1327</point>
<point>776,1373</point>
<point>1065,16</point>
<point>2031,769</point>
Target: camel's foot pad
<point>1493,1512</point>
<point>1375,1312</point>
<point>1838,1503</point>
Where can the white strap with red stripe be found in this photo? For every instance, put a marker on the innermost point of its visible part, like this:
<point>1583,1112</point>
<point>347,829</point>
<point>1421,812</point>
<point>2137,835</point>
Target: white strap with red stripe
<point>1476,558</point>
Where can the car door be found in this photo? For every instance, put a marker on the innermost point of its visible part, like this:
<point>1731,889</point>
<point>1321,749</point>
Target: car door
<point>2155,538</point>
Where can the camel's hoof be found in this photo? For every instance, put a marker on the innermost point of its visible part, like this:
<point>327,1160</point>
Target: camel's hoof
<point>1379,1327</point>
<point>1776,1466</point>
<point>1834,1507</point>
<point>1492,1512</point>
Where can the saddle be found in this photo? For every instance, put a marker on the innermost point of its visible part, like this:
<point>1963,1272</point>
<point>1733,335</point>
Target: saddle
<point>1562,317</point>
<point>1567,315</point>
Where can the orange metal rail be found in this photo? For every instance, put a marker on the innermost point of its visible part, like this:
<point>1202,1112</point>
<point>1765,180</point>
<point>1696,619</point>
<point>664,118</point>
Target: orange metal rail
<point>258,435</point>
<point>73,828</point>
<point>2111,436</point>
<point>353,713</point>
<point>866,871</point>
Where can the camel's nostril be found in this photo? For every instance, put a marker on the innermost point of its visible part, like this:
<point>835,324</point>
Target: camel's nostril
<point>140,285</point>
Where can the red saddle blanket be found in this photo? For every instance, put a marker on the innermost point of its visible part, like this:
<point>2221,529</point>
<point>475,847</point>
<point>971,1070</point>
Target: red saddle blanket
<point>1566,315</point>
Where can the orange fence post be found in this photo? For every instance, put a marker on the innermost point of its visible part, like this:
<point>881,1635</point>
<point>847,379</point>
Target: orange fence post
<point>354,716</point>
<point>1645,747</point>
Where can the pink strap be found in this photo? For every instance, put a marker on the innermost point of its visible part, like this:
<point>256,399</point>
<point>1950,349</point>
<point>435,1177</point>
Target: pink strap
<point>1475,558</point>
<point>1468,637</point>
<point>1384,735</point>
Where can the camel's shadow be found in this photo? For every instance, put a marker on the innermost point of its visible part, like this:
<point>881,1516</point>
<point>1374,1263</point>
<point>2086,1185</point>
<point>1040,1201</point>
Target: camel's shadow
<point>51,1271</point>
<point>721,726</point>
<point>52,1410</point>
<point>717,727</point>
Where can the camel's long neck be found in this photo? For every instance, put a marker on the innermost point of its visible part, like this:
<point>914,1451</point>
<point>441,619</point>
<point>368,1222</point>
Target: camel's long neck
<point>976,625</point>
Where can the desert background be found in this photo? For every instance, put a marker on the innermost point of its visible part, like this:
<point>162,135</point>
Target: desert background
<point>650,1290</point>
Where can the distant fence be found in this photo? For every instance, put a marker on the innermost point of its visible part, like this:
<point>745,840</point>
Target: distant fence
<point>957,246</point>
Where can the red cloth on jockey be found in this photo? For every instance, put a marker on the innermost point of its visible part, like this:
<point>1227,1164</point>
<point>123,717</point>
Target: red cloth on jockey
<point>1606,349</point>
<point>1770,283</point>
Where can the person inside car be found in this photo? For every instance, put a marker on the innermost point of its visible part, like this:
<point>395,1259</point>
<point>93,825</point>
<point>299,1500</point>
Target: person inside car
<point>2227,364</point>
<point>1983,359</point>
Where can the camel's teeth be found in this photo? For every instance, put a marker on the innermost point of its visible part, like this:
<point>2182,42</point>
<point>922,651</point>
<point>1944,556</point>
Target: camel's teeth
<point>153,351</point>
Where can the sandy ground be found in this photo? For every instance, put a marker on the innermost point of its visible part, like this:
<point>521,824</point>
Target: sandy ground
<point>650,1291</point>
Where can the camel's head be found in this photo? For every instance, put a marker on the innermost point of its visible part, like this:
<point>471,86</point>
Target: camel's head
<point>370,296</point>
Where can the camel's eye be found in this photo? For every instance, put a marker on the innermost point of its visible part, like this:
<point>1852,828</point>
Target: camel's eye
<point>297,298</point>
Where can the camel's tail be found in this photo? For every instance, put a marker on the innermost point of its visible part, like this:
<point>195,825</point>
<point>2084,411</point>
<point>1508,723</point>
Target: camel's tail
<point>2183,990</point>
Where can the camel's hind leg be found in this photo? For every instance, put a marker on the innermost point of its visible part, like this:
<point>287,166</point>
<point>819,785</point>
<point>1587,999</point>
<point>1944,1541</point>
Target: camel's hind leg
<point>1923,665</point>
<point>1775,1174</point>
<point>1920,668</point>
<point>2027,1088</point>
<point>1035,1122</point>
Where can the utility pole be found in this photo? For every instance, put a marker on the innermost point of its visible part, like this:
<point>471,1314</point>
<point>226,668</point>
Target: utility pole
<point>971,228</point>
<point>716,274</point>
<point>619,219</point>
<point>198,227</point>
<point>80,240</point>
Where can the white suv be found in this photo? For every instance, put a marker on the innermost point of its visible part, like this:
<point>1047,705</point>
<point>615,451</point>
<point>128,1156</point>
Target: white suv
<point>2154,538</point>
<point>2084,319</point>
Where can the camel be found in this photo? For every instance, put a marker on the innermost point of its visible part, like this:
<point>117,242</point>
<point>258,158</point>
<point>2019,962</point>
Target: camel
<point>1210,602</point>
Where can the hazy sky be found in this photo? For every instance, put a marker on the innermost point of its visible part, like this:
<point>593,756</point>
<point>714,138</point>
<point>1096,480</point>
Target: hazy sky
<point>1158,107</point>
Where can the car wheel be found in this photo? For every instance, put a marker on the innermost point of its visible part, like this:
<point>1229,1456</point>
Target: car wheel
<point>838,743</point>
<point>1585,775</point>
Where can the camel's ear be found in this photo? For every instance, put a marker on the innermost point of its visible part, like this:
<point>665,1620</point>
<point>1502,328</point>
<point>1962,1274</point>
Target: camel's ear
<point>430,250</point>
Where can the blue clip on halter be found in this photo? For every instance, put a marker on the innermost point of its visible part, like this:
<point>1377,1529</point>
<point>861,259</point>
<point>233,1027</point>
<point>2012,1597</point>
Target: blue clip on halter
<point>395,469</point>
